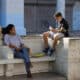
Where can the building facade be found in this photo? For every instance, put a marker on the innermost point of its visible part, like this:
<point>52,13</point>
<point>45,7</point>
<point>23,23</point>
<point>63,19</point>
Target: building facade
<point>34,16</point>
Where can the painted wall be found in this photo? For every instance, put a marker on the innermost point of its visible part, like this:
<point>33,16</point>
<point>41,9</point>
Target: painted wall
<point>76,16</point>
<point>61,7</point>
<point>12,12</point>
<point>3,13</point>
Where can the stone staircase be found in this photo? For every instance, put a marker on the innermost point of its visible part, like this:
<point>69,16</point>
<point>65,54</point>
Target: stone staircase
<point>11,66</point>
<point>66,62</point>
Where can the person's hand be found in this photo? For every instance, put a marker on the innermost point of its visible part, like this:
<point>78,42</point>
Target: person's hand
<point>22,46</point>
<point>52,29</point>
<point>61,30</point>
<point>18,49</point>
<point>12,46</point>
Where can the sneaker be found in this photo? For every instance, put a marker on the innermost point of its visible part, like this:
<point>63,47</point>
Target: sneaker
<point>51,52</point>
<point>46,50</point>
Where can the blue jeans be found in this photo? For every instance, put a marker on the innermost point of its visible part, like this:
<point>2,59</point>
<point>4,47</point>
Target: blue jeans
<point>24,54</point>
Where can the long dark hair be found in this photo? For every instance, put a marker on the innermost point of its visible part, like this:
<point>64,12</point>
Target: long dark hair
<point>9,27</point>
<point>6,30</point>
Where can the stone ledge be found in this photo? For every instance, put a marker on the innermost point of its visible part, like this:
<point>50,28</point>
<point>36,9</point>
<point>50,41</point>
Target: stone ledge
<point>41,59</point>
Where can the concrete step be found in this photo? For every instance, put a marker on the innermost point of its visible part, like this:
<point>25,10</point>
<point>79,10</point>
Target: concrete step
<point>36,44</point>
<point>38,76</point>
<point>33,60</point>
<point>16,66</point>
<point>67,60</point>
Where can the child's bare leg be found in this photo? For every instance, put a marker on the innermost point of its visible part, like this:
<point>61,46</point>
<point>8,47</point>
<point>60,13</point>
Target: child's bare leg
<point>45,38</point>
<point>55,42</point>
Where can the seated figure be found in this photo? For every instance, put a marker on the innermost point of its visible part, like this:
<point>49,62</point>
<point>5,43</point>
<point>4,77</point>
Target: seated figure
<point>56,34</point>
<point>15,42</point>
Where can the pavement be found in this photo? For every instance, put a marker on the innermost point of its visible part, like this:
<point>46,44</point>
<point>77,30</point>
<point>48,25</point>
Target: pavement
<point>40,76</point>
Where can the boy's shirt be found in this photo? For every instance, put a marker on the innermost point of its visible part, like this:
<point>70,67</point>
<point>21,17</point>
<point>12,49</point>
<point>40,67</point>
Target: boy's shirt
<point>65,25</point>
<point>13,40</point>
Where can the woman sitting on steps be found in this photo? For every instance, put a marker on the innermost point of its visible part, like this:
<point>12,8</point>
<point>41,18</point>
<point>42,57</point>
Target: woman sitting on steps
<point>15,42</point>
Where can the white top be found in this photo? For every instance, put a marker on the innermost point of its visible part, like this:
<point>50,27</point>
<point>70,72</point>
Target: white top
<point>14,40</point>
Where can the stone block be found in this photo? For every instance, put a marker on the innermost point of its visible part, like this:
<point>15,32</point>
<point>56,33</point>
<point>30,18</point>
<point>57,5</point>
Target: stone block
<point>37,68</point>
<point>6,52</point>
<point>68,59</point>
<point>35,44</point>
<point>74,71</point>
<point>1,69</point>
<point>9,68</point>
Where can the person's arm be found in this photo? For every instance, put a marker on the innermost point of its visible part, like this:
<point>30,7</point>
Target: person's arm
<point>62,29</point>
<point>52,29</point>
<point>7,43</point>
<point>23,46</point>
<point>12,46</point>
<point>21,41</point>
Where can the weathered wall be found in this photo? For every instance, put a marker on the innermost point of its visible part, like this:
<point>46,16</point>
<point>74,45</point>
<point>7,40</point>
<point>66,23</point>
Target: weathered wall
<point>12,12</point>
<point>38,15</point>
<point>68,59</point>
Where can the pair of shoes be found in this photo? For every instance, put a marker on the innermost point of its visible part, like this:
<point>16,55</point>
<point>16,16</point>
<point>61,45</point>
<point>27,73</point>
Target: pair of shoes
<point>46,50</point>
<point>51,52</point>
<point>29,75</point>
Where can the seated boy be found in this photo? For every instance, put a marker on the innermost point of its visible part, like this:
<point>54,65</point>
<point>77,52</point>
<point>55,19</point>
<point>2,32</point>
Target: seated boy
<point>15,42</point>
<point>56,34</point>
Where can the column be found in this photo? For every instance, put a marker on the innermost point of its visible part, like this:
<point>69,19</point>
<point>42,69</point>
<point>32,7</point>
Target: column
<point>14,14</point>
<point>61,7</point>
<point>76,16</point>
<point>2,13</point>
